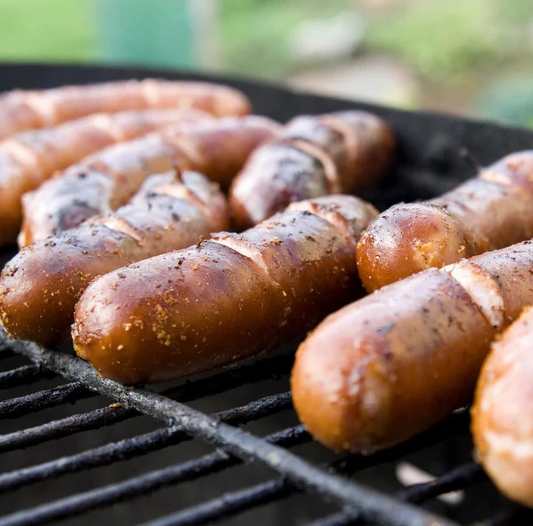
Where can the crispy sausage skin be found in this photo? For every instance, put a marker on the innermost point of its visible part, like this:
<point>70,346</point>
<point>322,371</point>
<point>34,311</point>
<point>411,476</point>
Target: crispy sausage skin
<point>41,284</point>
<point>29,158</point>
<point>27,110</point>
<point>489,212</point>
<point>226,299</point>
<point>395,362</point>
<point>502,420</point>
<point>108,179</point>
<point>312,156</point>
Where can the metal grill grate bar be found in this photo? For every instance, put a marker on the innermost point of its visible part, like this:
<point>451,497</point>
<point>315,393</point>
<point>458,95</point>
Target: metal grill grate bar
<point>459,478</point>
<point>346,517</point>
<point>64,427</point>
<point>372,504</point>
<point>133,447</point>
<point>140,485</point>
<point>452,426</point>
<point>212,385</point>
<point>26,374</point>
<point>232,503</point>
<point>232,378</point>
<point>228,504</point>
<point>22,405</point>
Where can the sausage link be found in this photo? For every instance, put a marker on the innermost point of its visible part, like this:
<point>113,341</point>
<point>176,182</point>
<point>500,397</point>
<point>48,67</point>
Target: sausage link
<point>502,420</point>
<point>312,156</point>
<point>41,284</point>
<point>26,110</point>
<point>228,298</point>
<point>108,179</point>
<point>392,364</point>
<point>489,212</point>
<point>29,158</point>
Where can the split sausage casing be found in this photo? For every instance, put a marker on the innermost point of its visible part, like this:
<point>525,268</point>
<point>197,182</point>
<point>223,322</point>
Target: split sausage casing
<point>399,360</point>
<point>228,298</point>
<point>489,212</point>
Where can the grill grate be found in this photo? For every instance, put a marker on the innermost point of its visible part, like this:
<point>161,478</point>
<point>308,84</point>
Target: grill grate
<point>181,418</point>
<point>26,374</point>
<point>359,504</point>
<point>228,444</point>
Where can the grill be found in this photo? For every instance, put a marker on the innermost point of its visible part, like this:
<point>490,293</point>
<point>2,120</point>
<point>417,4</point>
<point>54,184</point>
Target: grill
<point>226,447</point>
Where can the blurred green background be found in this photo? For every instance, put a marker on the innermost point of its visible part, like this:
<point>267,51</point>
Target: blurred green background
<point>461,56</point>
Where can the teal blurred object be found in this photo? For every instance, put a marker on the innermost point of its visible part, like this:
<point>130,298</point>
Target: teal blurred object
<point>509,101</point>
<point>145,32</point>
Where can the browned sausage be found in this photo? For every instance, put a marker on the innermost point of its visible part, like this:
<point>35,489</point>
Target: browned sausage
<point>312,156</point>
<point>502,420</point>
<point>27,110</point>
<point>29,158</point>
<point>489,212</point>
<point>40,286</point>
<point>228,298</point>
<point>107,179</point>
<point>392,364</point>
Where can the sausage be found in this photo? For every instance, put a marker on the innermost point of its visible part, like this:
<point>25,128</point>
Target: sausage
<point>106,180</point>
<point>502,420</point>
<point>312,156</point>
<point>486,213</point>
<point>41,284</point>
<point>392,364</point>
<point>29,158</point>
<point>28,110</point>
<point>226,299</point>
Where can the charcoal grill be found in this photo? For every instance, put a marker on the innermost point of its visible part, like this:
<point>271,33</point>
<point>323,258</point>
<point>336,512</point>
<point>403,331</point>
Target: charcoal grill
<point>226,447</point>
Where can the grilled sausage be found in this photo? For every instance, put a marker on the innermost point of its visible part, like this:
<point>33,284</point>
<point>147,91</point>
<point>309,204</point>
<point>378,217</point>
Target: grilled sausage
<point>228,298</point>
<point>28,110</point>
<point>312,156</point>
<point>41,284</point>
<point>29,158</point>
<point>489,212</point>
<point>392,364</point>
<point>502,420</point>
<point>108,179</point>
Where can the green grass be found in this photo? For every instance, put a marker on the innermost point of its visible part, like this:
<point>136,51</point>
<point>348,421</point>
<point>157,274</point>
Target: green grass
<point>46,30</point>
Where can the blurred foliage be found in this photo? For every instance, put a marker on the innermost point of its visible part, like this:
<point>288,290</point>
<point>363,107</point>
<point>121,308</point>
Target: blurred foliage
<point>440,39</point>
<point>509,101</point>
<point>454,44</point>
<point>515,11</point>
<point>46,30</point>
<point>255,32</point>
<point>446,39</point>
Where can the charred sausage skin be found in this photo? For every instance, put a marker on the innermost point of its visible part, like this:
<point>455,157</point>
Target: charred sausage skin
<point>489,212</point>
<point>27,110</point>
<point>392,364</point>
<point>30,158</point>
<point>228,298</point>
<point>41,284</point>
<point>312,156</point>
<point>106,180</point>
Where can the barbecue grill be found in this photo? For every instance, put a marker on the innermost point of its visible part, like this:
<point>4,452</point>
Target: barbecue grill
<point>226,447</point>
